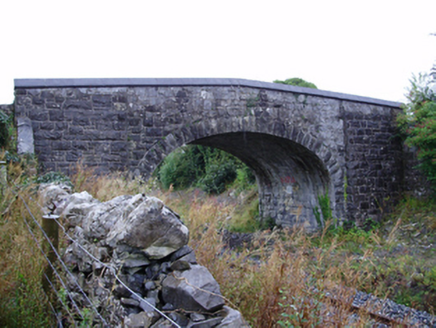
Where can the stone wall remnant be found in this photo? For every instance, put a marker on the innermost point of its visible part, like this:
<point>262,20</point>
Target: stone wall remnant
<point>145,244</point>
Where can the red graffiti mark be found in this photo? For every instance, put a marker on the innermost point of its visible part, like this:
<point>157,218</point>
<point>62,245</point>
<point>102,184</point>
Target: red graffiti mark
<point>287,179</point>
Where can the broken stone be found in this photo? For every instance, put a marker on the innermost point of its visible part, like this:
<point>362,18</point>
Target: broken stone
<point>180,265</point>
<point>209,323</point>
<point>149,285</point>
<point>153,294</point>
<point>121,291</point>
<point>180,253</point>
<point>139,320</point>
<point>168,307</point>
<point>145,243</point>
<point>190,258</point>
<point>151,227</point>
<point>129,302</point>
<point>56,195</point>
<point>163,323</point>
<point>135,260</point>
<point>78,207</point>
<point>179,319</point>
<point>192,290</point>
<point>148,304</point>
<point>196,317</point>
<point>232,319</point>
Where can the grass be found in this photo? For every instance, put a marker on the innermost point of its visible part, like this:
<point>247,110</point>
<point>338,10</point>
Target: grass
<point>382,261</point>
<point>281,279</point>
<point>23,302</point>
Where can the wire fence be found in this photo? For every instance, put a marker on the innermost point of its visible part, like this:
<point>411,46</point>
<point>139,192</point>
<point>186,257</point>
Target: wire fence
<point>61,300</point>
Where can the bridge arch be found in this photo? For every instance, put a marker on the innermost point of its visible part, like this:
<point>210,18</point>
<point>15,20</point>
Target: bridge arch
<point>332,141</point>
<point>292,167</point>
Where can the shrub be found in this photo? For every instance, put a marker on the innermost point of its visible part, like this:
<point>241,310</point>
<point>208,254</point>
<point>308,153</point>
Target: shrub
<point>245,178</point>
<point>208,168</point>
<point>54,177</point>
<point>180,169</point>
<point>217,177</point>
<point>418,124</point>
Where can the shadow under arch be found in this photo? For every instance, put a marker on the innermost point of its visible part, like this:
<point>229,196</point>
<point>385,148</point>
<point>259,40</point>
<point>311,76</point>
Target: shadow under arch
<point>291,167</point>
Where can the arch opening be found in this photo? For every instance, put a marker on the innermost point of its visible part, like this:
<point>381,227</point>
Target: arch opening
<point>289,176</point>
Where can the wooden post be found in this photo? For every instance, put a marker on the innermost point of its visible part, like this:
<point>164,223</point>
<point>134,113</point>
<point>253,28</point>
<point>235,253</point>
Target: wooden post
<point>50,226</point>
<point>3,177</point>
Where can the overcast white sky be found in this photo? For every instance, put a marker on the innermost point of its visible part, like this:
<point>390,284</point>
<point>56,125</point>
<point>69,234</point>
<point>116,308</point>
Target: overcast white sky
<point>368,48</point>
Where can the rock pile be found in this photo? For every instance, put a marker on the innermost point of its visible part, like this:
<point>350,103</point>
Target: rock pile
<point>143,243</point>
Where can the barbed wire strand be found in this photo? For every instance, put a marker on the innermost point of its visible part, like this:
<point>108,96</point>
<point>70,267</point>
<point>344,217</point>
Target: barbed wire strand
<point>65,268</point>
<point>54,270</point>
<point>59,259</point>
<point>51,284</point>
<point>60,298</point>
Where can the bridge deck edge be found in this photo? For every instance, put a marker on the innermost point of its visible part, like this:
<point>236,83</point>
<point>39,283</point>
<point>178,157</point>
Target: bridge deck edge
<point>125,82</point>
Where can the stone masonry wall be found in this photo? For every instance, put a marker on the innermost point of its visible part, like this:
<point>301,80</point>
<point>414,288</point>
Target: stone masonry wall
<point>299,142</point>
<point>374,160</point>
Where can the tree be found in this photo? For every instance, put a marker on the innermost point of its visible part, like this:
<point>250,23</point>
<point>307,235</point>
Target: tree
<point>297,82</point>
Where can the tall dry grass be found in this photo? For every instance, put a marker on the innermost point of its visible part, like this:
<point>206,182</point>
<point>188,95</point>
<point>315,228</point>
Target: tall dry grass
<point>283,278</point>
<point>23,302</point>
<point>280,277</point>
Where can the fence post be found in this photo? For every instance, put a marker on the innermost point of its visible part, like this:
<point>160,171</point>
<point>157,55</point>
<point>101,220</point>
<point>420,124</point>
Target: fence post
<point>50,226</point>
<point>3,177</point>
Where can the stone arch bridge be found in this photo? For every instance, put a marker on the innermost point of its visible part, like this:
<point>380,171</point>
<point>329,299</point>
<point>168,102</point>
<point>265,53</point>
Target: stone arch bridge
<point>299,142</point>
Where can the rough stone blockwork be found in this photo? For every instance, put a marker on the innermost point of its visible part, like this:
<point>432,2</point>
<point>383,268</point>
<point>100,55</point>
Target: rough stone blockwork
<point>299,142</point>
<point>373,160</point>
<point>145,244</point>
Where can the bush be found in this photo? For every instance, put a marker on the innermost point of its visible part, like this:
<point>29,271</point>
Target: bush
<point>245,178</point>
<point>180,169</point>
<point>209,169</point>
<point>54,177</point>
<point>217,177</point>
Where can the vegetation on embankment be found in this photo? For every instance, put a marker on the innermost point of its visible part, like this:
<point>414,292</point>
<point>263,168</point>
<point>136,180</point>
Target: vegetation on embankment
<point>281,276</point>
